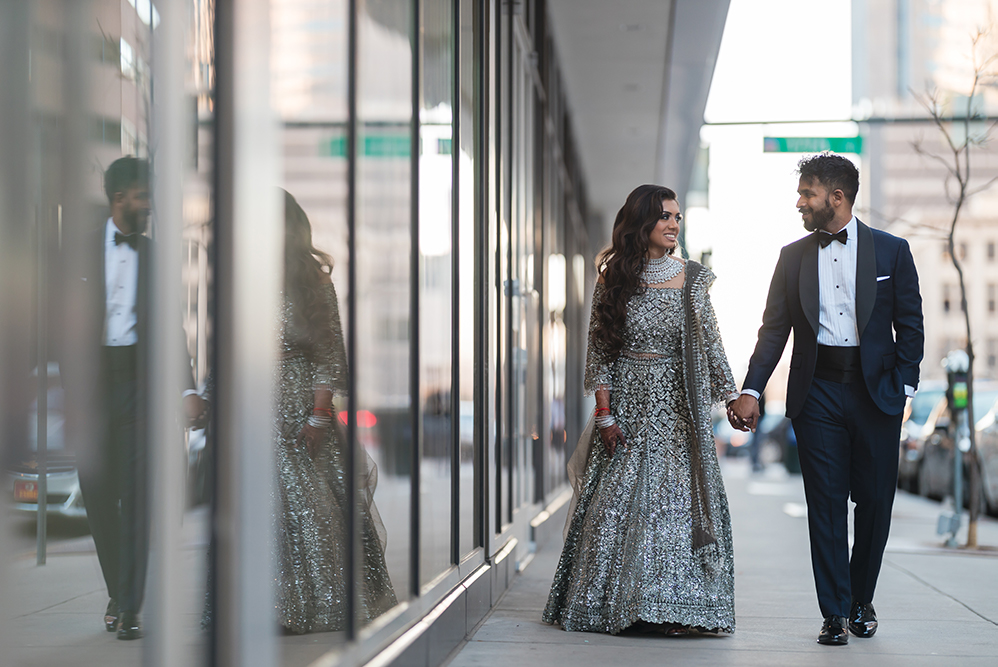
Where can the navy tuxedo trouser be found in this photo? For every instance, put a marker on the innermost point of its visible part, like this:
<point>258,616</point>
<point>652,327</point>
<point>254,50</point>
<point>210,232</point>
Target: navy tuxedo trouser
<point>116,490</point>
<point>847,446</point>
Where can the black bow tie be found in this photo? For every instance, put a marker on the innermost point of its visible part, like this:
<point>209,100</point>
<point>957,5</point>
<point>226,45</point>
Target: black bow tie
<point>824,238</point>
<point>131,239</point>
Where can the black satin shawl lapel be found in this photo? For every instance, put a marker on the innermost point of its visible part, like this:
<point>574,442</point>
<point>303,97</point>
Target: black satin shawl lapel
<point>142,296</point>
<point>101,286</point>
<point>866,276</point>
<point>808,285</point>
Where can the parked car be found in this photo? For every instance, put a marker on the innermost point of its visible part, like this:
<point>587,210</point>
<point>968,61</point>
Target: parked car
<point>987,455</point>
<point>63,493</point>
<point>63,481</point>
<point>935,472</point>
<point>916,423</point>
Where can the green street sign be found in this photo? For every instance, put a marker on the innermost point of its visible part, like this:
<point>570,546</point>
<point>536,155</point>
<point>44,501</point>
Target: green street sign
<point>812,144</point>
<point>371,146</point>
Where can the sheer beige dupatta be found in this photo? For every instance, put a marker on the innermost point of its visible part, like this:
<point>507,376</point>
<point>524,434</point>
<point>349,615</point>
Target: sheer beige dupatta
<point>577,468</point>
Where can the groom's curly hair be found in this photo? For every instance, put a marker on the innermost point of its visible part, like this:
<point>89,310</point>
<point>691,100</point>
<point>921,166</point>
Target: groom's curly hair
<point>622,263</point>
<point>832,171</point>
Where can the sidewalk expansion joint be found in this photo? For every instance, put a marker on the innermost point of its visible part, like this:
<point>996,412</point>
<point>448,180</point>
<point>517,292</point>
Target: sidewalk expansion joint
<point>57,604</point>
<point>940,591</point>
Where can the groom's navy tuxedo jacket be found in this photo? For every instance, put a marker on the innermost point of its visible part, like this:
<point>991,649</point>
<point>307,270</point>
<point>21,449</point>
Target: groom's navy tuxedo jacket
<point>83,312</point>
<point>888,315</point>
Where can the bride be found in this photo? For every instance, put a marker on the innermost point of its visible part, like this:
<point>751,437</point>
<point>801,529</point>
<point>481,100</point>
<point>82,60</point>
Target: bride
<point>311,502</point>
<point>648,543</point>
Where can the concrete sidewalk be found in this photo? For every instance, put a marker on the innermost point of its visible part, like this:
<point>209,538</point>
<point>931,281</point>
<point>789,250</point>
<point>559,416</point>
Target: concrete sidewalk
<point>936,606</point>
<point>59,609</point>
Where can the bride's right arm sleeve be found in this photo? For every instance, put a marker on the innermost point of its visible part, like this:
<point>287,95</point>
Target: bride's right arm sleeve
<point>597,366</point>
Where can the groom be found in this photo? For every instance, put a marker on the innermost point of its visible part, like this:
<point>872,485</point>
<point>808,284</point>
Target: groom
<point>850,295</point>
<point>106,315</point>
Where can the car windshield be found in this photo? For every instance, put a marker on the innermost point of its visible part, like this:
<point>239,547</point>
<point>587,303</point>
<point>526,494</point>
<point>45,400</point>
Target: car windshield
<point>770,420</point>
<point>922,404</point>
<point>983,401</point>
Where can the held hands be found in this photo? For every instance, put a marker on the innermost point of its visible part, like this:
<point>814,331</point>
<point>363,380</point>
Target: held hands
<point>195,411</point>
<point>743,413</point>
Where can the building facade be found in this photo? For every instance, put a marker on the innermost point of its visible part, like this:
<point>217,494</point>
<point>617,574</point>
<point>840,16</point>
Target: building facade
<point>435,146</point>
<point>921,48</point>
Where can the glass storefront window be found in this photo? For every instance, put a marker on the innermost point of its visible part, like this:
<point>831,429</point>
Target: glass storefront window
<point>436,169</point>
<point>364,243</point>
<point>309,56</point>
<point>468,233</point>
<point>383,269</point>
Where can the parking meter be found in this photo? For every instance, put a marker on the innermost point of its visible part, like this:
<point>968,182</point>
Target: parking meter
<point>957,364</point>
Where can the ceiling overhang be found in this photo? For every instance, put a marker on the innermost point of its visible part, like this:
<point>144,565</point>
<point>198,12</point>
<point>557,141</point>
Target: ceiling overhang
<point>637,74</point>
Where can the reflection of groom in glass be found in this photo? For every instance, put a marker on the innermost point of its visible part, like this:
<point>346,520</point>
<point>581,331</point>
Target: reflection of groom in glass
<point>108,313</point>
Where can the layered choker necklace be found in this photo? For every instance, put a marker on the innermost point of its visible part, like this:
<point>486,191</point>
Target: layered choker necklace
<point>661,270</point>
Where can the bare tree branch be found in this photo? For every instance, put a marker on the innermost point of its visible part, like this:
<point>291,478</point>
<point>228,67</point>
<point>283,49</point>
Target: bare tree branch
<point>927,229</point>
<point>958,168</point>
<point>933,156</point>
<point>982,188</point>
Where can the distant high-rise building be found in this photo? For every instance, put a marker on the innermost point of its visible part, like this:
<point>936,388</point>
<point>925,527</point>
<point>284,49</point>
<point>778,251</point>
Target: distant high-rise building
<point>904,50</point>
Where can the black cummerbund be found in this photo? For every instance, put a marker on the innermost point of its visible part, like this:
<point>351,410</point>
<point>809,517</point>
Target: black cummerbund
<point>838,364</point>
<point>121,363</point>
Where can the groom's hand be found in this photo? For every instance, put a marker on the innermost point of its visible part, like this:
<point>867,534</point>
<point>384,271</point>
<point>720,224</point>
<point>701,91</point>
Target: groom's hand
<point>195,411</point>
<point>743,413</point>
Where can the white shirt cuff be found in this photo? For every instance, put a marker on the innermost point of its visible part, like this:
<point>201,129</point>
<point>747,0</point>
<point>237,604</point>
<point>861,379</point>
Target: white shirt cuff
<point>909,391</point>
<point>751,392</point>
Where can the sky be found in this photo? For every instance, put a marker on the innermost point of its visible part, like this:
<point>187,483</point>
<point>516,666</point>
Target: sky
<point>768,69</point>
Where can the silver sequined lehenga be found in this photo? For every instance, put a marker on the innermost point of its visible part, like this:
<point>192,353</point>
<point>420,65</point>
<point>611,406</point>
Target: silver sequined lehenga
<point>311,503</point>
<point>649,535</point>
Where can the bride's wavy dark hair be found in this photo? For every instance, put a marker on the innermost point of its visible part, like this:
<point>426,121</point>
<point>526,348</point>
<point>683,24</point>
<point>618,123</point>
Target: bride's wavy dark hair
<point>304,266</point>
<point>621,264</point>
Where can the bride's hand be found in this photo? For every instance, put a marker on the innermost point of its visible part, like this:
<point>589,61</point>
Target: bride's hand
<point>312,438</point>
<point>612,437</point>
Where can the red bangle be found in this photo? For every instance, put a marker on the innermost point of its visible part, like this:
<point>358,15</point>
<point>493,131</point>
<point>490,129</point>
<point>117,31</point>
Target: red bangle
<point>599,410</point>
<point>323,411</point>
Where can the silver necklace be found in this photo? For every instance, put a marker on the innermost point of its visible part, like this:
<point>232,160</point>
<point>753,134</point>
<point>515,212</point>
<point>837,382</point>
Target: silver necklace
<point>661,270</point>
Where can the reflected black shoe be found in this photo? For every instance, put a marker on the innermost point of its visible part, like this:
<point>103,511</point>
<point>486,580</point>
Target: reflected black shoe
<point>129,627</point>
<point>111,616</point>
<point>862,620</point>
<point>833,632</point>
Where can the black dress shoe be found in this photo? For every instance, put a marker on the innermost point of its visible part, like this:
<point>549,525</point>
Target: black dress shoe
<point>833,632</point>
<point>129,627</point>
<point>111,616</point>
<point>862,620</point>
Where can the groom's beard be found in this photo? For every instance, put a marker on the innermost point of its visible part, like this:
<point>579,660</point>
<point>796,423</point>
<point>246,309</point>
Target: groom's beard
<point>136,220</point>
<point>820,217</point>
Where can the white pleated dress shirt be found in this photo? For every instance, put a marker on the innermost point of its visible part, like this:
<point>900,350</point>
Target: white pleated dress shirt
<point>837,291</point>
<point>121,284</point>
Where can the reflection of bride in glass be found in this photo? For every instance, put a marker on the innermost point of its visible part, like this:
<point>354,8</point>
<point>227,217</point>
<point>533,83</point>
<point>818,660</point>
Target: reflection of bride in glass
<point>311,502</point>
